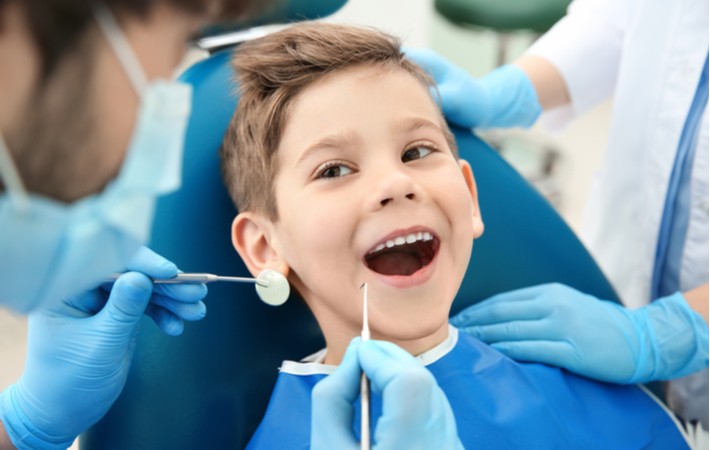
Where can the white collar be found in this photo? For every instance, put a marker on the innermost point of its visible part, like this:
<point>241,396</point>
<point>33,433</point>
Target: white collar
<point>313,364</point>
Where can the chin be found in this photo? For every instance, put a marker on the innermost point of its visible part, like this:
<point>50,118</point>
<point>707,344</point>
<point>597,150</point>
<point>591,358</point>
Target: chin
<point>409,327</point>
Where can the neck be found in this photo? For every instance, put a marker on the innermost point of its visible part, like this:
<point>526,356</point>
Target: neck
<point>337,340</point>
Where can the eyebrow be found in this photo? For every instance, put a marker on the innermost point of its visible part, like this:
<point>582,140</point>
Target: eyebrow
<point>338,140</point>
<point>410,124</point>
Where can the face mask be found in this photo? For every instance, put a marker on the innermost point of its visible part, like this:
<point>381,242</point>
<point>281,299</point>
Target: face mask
<point>50,250</point>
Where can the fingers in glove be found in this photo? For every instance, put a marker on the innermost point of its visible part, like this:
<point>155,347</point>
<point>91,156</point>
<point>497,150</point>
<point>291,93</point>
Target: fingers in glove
<point>436,95</point>
<point>553,353</point>
<point>152,264</point>
<point>409,391</point>
<point>524,294</point>
<point>333,398</point>
<point>517,330</point>
<point>186,293</point>
<point>155,266</point>
<point>373,353</point>
<point>386,364</point>
<point>166,320</point>
<point>415,411</point>
<point>503,312</point>
<point>457,107</point>
<point>185,311</point>
<point>433,63</point>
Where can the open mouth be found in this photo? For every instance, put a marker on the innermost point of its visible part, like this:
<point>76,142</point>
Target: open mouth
<point>403,255</point>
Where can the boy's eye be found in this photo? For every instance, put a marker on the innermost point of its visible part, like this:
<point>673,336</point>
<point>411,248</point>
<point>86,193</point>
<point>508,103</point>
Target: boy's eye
<point>335,171</point>
<point>415,153</point>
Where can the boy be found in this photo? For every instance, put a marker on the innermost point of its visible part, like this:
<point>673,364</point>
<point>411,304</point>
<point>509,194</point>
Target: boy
<point>345,172</point>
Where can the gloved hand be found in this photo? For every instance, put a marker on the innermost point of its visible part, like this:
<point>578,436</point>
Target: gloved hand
<point>557,325</point>
<point>504,98</point>
<point>79,352</point>
<point>415,412</point>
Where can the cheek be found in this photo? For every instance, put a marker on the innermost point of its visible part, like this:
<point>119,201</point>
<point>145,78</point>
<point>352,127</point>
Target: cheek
<point>320,233</point>
<point>320,253</point>
<point>22,77</point>
<point>454,199</point>
<point>116,105</point>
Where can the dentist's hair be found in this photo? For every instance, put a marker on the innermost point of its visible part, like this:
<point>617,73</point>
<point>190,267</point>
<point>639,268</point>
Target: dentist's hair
<point>58,27</point>
<point>271,72</point>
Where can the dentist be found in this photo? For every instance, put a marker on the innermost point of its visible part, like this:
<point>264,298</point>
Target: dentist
<point>647,220</point>
<point>91,134</point>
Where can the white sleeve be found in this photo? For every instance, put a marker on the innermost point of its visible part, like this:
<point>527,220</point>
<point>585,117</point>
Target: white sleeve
<point>585,47</point>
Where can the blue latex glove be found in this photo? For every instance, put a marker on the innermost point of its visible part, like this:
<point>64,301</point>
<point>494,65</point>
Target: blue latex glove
<point>416,414</point>
<point>79,352</point>
<point>557,325</point>
<point>504,98</point>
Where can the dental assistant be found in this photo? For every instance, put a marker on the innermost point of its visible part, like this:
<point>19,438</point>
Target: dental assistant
<point>647,219</point>
<point>91,134</point>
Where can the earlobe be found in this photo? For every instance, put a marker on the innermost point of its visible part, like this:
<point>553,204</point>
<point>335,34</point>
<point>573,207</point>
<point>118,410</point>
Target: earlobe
<point>467,173</point>
<point>251,237</point>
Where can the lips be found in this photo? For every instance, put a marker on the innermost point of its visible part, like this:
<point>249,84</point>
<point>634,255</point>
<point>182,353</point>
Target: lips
<point>403,253</point>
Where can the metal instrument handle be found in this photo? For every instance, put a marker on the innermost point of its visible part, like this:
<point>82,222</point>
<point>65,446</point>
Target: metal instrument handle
<point>181,278</point>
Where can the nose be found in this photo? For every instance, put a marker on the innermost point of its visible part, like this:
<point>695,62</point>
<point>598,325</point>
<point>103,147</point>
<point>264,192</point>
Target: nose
<point>392,187</point>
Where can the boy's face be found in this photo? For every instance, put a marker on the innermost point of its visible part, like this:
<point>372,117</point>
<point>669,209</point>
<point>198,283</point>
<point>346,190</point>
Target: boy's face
<point>364,164</point>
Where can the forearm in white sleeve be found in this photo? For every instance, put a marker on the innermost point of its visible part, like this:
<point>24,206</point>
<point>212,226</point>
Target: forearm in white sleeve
<point>585,47</point>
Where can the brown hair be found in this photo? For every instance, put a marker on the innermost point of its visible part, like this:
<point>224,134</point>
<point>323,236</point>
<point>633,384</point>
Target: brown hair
<point>57,26</point>
<point>271,71</point>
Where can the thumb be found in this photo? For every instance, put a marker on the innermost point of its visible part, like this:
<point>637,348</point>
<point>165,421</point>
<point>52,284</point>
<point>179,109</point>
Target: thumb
<point>388,365</point>
<point>132,343</point>
<point>415,411</point>
<point>332,399</point>
<point>128,299</point>
<point>404,384</point>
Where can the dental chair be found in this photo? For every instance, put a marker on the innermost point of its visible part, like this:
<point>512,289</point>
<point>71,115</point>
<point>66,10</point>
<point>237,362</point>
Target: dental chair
<point>209,387</point>
<point>503,17</point>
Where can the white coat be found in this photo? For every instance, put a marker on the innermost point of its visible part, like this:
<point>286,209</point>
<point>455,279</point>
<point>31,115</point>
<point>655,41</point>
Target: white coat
<point>649,54</point>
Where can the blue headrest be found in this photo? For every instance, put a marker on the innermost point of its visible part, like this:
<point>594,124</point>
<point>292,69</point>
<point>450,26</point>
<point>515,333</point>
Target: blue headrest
<point>280,11</point>
<point>209,387</point>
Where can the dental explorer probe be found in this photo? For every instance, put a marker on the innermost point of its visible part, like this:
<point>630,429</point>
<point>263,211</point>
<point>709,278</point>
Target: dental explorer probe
<point>365,384</point>
<point>198,278</point>
<point>271,286</point>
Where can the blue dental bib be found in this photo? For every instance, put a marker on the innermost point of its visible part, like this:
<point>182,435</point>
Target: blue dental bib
<point>498,404</point>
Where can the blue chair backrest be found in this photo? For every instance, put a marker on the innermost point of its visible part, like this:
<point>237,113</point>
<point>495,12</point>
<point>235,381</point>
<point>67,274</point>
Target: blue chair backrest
<point>274,12</point>
<point>209,387</point>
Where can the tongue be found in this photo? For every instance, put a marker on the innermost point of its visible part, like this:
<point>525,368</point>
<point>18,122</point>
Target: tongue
<point>395,263</point>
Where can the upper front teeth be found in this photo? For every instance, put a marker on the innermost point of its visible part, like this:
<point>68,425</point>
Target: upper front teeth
<point>408,239</point>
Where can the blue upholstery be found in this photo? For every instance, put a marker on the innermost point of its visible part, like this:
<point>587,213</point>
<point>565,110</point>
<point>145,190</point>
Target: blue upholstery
<point>280,11</point>
<point>208,388</point>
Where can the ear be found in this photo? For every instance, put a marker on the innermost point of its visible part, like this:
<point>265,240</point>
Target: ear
<point>471,183</point>
<point>252,238</point>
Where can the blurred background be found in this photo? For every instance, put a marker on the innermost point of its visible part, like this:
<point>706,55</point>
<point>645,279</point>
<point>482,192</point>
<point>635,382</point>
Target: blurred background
<point>560,166</point>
